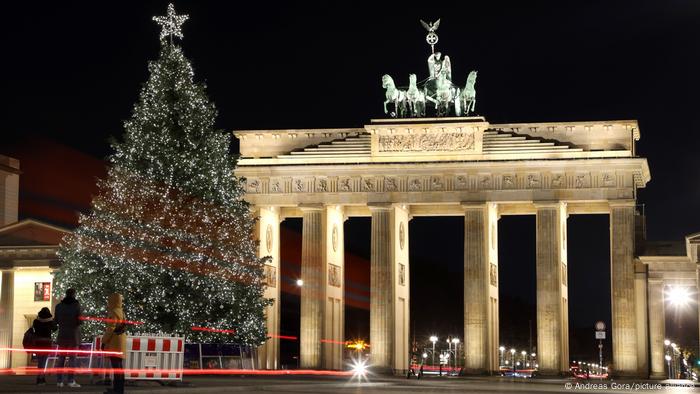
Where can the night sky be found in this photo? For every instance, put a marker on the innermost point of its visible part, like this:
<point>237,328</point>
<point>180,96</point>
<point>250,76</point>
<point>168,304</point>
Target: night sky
<point>72,71</point>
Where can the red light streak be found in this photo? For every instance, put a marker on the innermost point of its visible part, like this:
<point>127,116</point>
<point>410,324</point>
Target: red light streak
<point>207,329</point>
<point>316,372</point>
<point>288,337</point>
<point>66,351</point>
<point>107,320</point>
<point>334,341</point>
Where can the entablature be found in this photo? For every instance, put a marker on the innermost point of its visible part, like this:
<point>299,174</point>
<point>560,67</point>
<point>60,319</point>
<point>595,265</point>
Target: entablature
<point>532,180</point>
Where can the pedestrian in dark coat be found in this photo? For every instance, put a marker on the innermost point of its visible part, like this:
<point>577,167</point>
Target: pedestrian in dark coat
<point>68,319</point>
<point>43,326</point>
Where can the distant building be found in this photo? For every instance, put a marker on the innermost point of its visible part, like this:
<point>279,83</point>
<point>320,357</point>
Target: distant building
<point>27,258</point>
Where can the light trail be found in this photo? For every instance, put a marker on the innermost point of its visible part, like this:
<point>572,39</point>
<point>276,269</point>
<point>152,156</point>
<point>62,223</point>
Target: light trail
<point>61,351</point>
<point>334,341</point>
<point>287,337</point>
<point>207,329</point>
<point>51,371</point>
<point>108,320</point>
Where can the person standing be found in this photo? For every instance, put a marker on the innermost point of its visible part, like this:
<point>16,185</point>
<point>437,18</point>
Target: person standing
<point>43,326</point>
<point>68,320</point>
<point>114,340</point>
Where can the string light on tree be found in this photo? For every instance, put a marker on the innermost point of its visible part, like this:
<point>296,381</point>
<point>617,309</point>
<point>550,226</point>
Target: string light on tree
<point>171,23</point>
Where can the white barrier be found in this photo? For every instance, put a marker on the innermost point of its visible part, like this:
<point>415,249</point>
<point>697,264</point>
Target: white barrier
<point>152,352</point>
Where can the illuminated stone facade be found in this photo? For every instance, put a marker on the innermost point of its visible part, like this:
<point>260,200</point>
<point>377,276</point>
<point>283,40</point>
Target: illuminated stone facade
<point>393,170</point>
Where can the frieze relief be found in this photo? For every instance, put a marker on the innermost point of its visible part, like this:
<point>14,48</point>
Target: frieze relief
<point>461,182</point>
<point>607,179</point>
<point>440,182</point>
<point>508,181</point>
<point>345,185</point>
<point>558,181</point>
<point>414,185</point>
<point>276,186</point>
<point>253,186</point>
<point>322,185</point>
<point>436,183</point>
<point>428,142</point>
<point>533,181</point>
<point>391,184</point>
<point>582,181</point>
<point>368,185</point>
<point>485,181</point>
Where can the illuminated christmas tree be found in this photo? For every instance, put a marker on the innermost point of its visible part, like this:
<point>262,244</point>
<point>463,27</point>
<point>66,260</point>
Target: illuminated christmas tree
<point>168,228</point>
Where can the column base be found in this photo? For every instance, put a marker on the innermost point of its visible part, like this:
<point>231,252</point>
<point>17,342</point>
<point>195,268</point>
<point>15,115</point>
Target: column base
<point>660,376</point>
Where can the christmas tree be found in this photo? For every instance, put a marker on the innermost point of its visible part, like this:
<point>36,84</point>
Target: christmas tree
<point>168,228</point>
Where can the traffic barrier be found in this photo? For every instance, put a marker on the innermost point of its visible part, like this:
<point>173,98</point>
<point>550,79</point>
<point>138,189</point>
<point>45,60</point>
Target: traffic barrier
<point>151,352</point>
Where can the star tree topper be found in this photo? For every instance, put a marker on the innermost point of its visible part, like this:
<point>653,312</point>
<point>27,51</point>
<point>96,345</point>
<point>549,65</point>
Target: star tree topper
<point>171,24</point>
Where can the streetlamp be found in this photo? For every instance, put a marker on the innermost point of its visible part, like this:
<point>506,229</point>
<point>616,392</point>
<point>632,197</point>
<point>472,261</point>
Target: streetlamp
<point>300,282</point>
<point>501,349</point>
<point>678,296</point>
<point>676,359</point>
<point>456,342</point>
<point>667,345</point>
<point>512,356</point>
<point>524,354</point>
<point>449,351</point>
<point>532,358</point>
<point>433,339</point>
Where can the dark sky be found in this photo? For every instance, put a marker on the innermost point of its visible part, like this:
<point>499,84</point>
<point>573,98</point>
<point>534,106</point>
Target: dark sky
<point>72,71</point>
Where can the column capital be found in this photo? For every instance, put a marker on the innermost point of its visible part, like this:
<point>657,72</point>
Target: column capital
<point>310,207</point>
<point>380,206</point>
<point>622,203</point>
<point>553,204</point>
<point>471,205</point>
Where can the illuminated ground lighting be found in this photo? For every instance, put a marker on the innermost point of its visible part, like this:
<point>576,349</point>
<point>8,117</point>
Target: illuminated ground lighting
<point>678,296</point>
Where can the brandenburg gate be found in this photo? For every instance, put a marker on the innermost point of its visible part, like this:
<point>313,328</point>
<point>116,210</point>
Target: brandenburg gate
<point>395,169</point>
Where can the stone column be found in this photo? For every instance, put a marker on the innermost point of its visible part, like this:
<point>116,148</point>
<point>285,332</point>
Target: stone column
<point>640,289</point>
<point>624,330</point>
<point>322,295</point>
<point>657,328</point>
<point>552,297</point>
<point>480,288</point>
<point>268,235</point>
<point>389,288</point>
<point>7,291</point>
<point>312,297</point>
<point>332,343</point>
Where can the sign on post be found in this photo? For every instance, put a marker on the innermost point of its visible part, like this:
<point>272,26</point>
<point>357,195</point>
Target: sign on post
<point>600,335</point>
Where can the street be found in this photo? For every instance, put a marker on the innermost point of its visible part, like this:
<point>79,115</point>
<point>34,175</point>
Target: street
<point>296,384</point>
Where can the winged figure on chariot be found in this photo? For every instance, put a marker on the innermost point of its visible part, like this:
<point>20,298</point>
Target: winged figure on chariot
<point>437,89</point>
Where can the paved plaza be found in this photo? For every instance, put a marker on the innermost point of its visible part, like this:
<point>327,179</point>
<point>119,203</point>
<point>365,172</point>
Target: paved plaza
<point>283,384</point>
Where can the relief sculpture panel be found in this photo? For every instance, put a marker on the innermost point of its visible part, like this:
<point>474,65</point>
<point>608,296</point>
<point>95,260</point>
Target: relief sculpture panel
<point>428,142</point>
